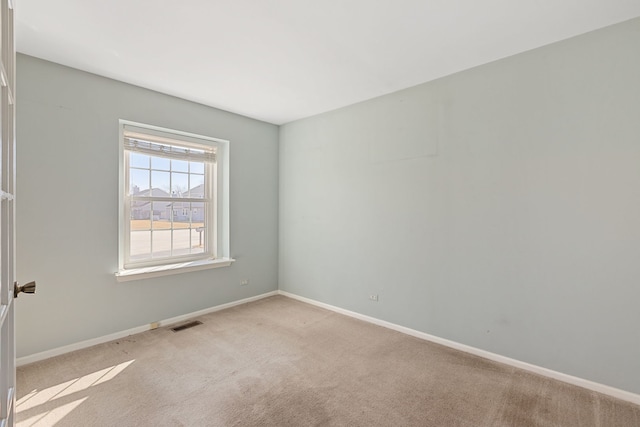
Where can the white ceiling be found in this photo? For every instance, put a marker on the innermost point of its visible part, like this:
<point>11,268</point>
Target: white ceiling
<point>281,60</point>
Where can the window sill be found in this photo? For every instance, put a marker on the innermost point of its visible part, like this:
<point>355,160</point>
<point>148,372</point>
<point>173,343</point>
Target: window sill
<point>169,269</point>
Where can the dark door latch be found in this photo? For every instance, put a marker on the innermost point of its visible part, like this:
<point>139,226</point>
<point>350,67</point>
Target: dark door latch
<point>29,288</point>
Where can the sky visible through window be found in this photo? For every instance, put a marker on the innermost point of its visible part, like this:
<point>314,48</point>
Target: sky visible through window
<point>175,177</point>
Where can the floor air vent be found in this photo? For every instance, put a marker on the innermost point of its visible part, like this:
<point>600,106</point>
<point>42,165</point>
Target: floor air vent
<point>186,326</point>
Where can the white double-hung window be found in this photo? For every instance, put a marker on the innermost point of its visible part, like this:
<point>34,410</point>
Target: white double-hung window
<point>174,215</point>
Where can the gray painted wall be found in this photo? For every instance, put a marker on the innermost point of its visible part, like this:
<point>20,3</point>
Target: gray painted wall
<point>498,207</point>
<point>67,207</point>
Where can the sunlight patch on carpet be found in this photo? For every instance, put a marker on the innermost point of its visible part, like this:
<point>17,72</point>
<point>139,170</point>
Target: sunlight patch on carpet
<point>51,416</point>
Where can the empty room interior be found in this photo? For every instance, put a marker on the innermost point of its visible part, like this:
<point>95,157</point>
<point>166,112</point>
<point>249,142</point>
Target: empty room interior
<point>328,213</point>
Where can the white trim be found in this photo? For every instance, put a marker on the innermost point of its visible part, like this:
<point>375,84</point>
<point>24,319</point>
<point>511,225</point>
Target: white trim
<point>218,243</point>
<point>570,379</point>
<point>222,239</point>
<point>169,269</point>
<point>118,335</point>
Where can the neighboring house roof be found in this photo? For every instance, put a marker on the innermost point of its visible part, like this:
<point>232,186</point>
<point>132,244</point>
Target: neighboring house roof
<point>196,192</point>
<point>154,192</point>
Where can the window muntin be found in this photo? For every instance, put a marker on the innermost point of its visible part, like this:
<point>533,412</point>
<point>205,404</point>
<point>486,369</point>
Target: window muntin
<point>169,198</point>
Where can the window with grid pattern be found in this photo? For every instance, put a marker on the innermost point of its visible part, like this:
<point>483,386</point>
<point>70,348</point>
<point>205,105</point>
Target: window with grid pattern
<point>169,198</point>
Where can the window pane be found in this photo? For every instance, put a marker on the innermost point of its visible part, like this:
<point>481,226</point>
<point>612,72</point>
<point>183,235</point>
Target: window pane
<point>140,245</point>
<point>180,215</point>
<point>198,238</point>
<point>160,180</point>
<point>197,214</point>
<point>180,184</point>
<point>197,186</point>
<point>161,243</point>
<point>196,167</point>
<point>161,215</point>
<point>179,166</point>
<point>138,160</point>
<point>139,212</point>
<point>139,182</point>
<point>181,242</point>
<point>160,163</point>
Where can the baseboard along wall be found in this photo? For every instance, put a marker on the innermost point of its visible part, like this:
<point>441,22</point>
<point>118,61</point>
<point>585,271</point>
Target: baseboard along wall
<point>580,382</point>
<point>118,335</point>
<point>570,379</point>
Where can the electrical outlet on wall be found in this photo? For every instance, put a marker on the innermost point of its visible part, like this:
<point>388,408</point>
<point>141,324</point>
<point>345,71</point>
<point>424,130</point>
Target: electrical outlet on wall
<point>373,297</point>
<point>244,282</point>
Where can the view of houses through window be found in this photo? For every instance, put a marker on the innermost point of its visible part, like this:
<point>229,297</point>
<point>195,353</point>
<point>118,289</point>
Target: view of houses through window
<point>168,207</point>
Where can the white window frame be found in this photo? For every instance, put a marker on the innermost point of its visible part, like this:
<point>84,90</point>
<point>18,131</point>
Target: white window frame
<point>218,251</point>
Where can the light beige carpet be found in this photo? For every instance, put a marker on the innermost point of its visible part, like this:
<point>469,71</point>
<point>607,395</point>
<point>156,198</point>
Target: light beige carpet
<point>280,362</point>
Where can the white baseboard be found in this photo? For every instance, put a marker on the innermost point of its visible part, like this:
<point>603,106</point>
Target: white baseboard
<point>117,335</point>
<point>580,382</point>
